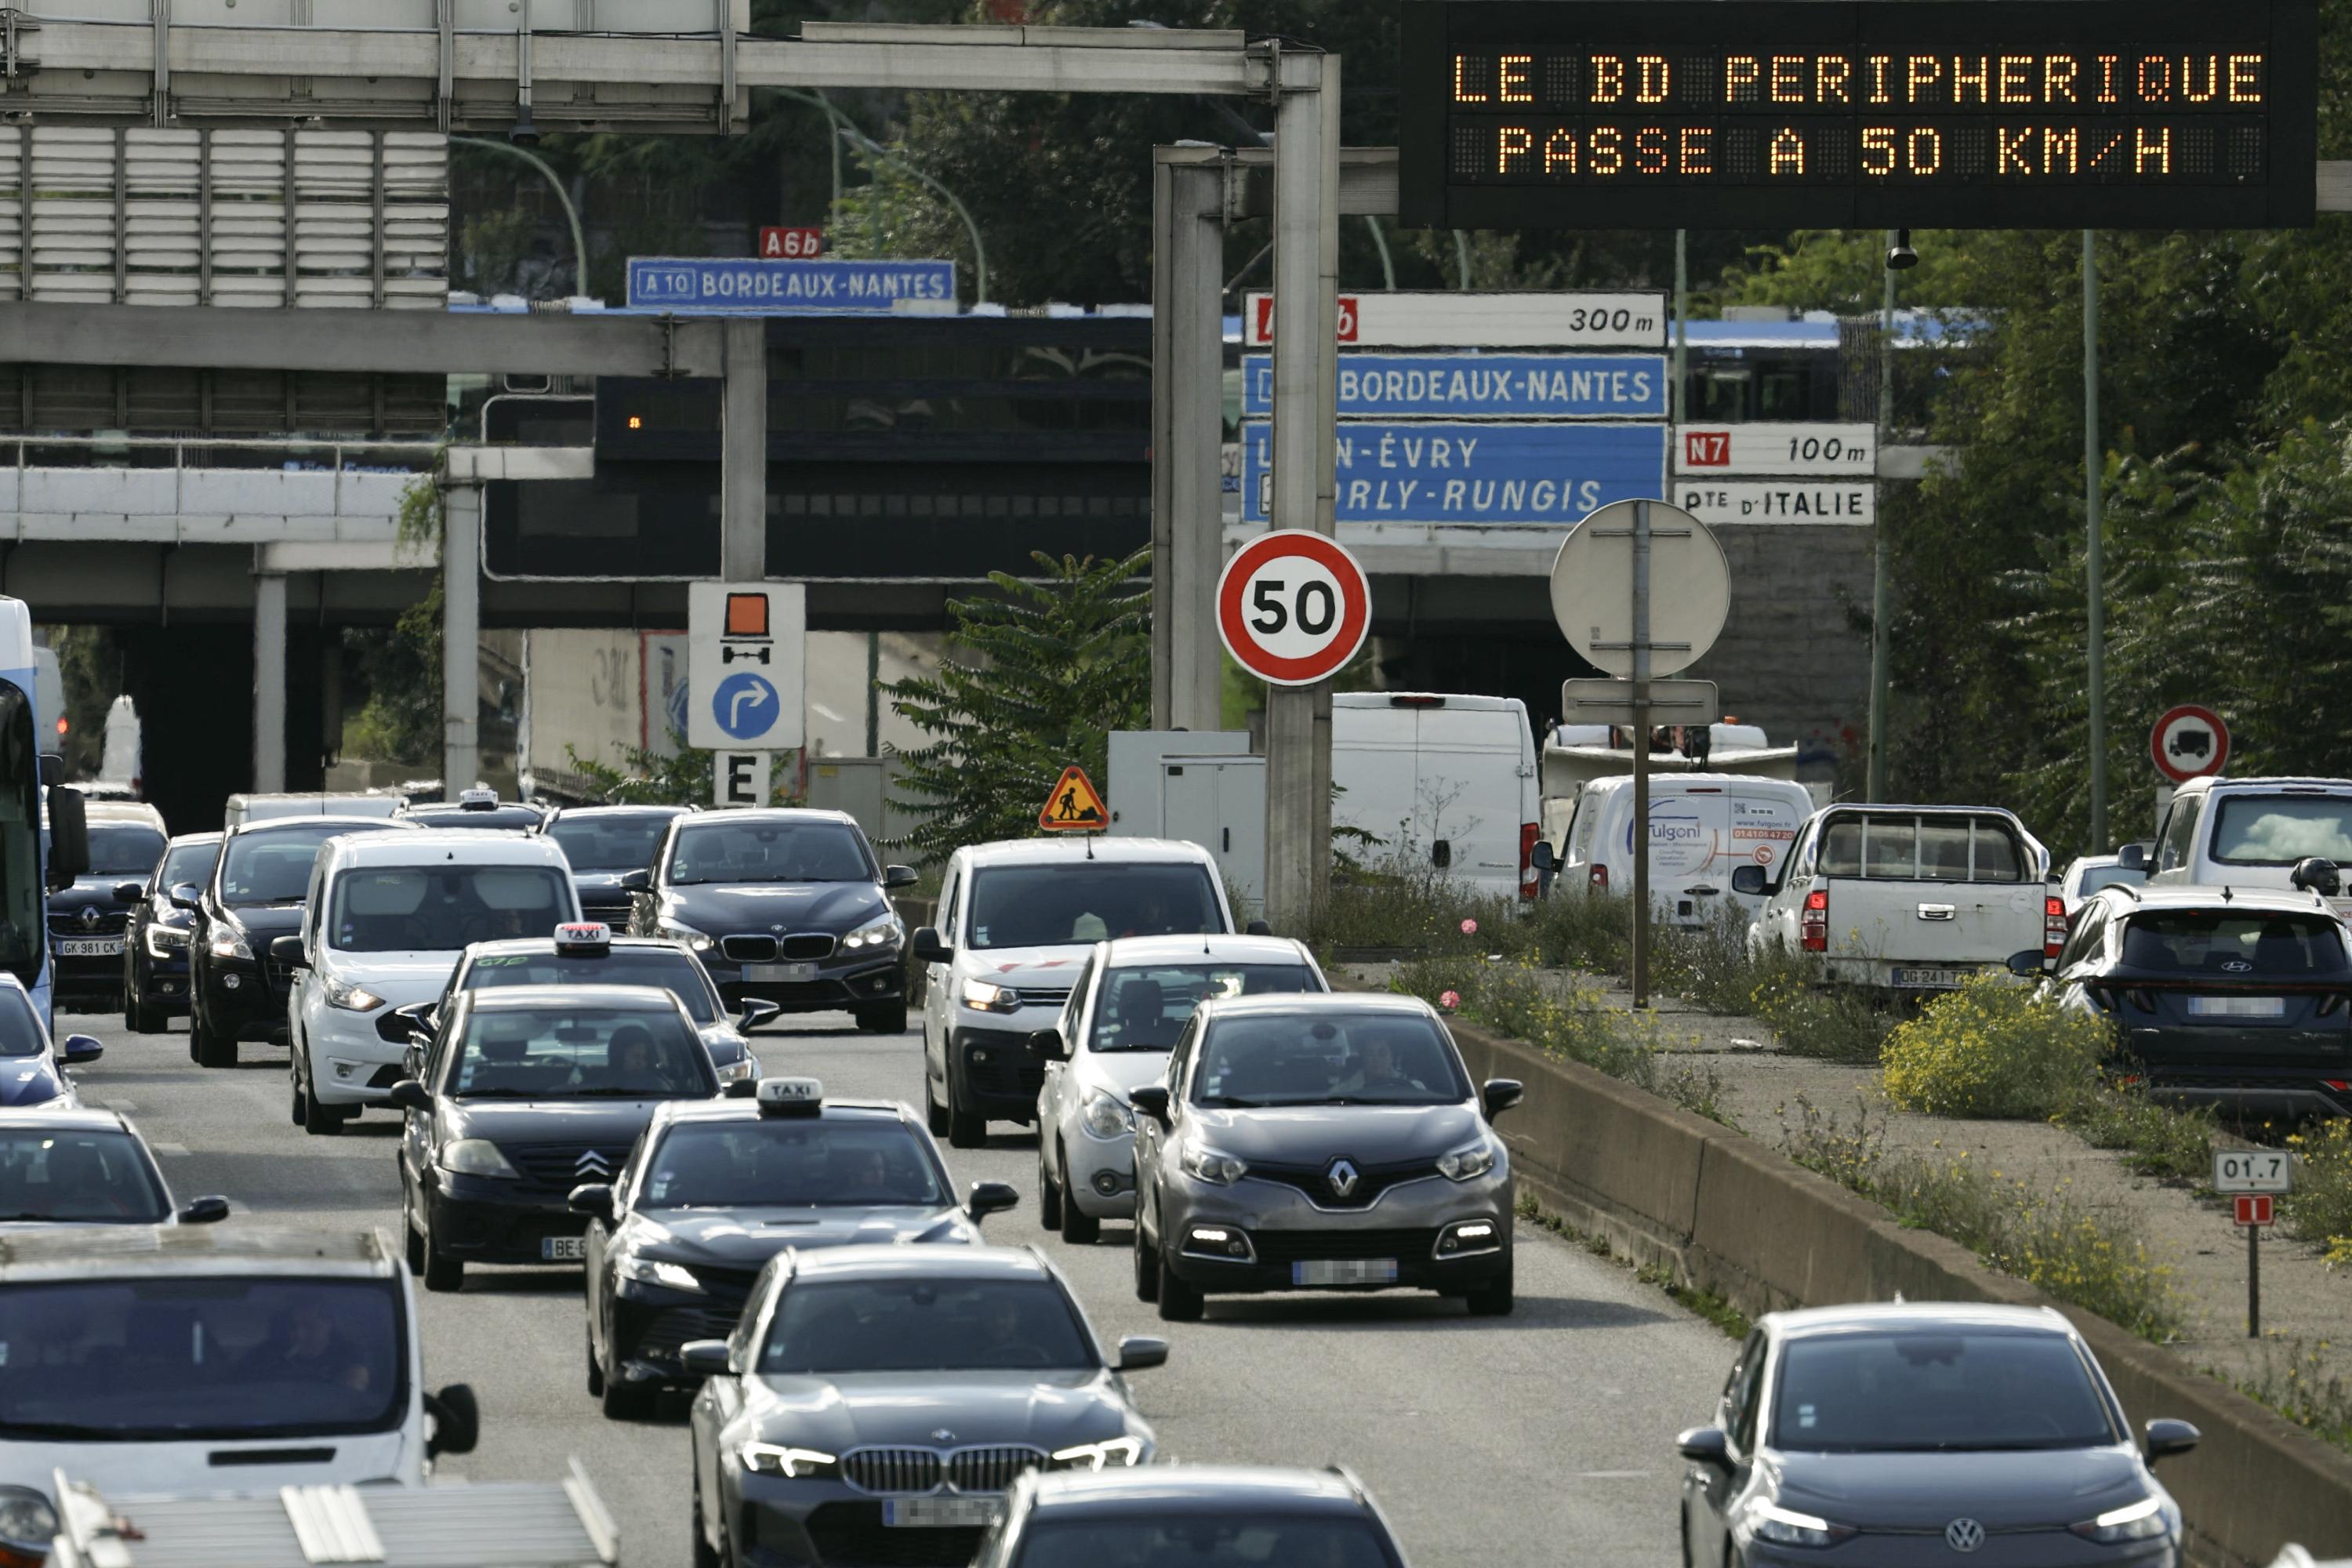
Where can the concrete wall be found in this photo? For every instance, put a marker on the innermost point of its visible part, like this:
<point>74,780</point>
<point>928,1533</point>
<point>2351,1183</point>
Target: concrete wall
<point>1789,658</point>
<point>198,505</point>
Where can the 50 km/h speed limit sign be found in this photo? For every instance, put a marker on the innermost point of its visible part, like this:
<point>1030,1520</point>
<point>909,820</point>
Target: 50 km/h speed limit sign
<point>1293,607</point>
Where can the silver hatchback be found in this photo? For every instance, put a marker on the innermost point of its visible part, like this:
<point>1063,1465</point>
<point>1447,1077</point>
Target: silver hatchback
<point>1320,1143</point>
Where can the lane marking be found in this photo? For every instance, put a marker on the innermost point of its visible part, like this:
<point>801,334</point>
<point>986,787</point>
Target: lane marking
<point>1612,1475</point>
<point>178,1151</point>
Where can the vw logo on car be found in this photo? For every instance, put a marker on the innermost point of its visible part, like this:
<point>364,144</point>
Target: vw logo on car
<point>1964,1535</point>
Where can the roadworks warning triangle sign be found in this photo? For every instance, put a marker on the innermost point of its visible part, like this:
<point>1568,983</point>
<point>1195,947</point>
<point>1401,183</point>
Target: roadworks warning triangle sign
<point>1075,805</point>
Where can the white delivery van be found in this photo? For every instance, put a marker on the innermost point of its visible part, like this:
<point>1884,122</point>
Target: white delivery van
<point>1702,827</point>
<point>1442,783</point>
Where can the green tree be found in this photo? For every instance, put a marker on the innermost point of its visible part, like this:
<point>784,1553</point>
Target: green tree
<point>1063,660</point>
<point>683,777</point>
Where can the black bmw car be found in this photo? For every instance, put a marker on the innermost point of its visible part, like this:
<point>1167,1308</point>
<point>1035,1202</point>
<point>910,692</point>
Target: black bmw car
<point>789,905</point>
<point>87,919</point>
<point>155,944</point>
<point>518,1097</point>
<point>605,845</point>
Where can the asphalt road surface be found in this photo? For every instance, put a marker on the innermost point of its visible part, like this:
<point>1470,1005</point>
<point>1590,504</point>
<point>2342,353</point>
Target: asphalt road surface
<point>1490,1442</point>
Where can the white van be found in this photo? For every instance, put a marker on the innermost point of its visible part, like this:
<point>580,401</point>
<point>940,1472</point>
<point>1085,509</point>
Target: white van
<point>1442,782</point>
<point>182,1358</point>
<point>1702,827</point>
<point>388,917</point>
<point>2250,832</point>
<point>244,808</point>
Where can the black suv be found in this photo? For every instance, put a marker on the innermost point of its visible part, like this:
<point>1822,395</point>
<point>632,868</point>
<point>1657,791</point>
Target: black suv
<point>787,905</point>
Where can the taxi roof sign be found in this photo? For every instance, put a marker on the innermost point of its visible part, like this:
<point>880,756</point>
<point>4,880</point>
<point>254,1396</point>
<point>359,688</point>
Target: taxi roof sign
<point>480,798</point>
<point>1073,804</point>
<point>790,1096</point>
<point>583,936</point>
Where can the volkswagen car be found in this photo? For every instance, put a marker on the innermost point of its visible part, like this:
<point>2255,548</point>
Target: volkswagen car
<point>1186,1516</point>
<point>874,1404</point>
<point>718,1187</point>
<point>155,942</point>
<point>1926,1433</point>
<point>1315,1143</point>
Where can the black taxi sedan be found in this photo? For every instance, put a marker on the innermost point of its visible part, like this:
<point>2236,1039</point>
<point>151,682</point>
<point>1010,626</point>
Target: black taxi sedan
<point>718,1187</point>
<point>521,1096</point>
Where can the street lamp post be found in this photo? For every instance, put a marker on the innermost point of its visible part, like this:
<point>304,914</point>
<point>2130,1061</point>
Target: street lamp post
<point>579,236</point>
<point>874,150</point>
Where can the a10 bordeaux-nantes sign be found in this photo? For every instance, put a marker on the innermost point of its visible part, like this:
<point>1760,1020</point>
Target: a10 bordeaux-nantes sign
<point>1876,113</point>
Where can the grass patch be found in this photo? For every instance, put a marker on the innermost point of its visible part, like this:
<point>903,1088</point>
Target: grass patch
<point>2044,1237</point>
<point>1705,1305</point>
<point>2294,1381</point>
<point>2154,1140</point>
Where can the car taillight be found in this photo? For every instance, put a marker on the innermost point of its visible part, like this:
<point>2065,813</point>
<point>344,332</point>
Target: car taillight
<point>1813,924</point>
<point>2331,1004</point>
<point>2053,926</point>
<point>1530,833</point>
<point>1599,878</point>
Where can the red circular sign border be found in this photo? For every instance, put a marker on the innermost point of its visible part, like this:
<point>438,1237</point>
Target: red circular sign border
<point>1355,611</point>
<point>2188,710</point>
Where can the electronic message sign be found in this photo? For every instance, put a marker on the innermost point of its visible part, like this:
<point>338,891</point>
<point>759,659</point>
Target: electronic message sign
<point>1858,114</point>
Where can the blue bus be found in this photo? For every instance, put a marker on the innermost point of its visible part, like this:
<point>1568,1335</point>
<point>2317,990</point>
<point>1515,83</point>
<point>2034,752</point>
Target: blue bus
<point>31,798</point>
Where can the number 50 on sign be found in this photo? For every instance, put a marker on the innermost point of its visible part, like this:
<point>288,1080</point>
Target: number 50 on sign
<point>1293,607</point>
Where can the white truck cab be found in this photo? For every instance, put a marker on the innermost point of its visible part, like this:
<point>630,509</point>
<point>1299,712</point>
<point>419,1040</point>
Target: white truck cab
<point>2252,833</point>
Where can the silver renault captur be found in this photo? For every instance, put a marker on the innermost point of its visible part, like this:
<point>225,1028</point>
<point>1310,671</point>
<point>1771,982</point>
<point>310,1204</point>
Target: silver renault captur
<point>1320,1143</point>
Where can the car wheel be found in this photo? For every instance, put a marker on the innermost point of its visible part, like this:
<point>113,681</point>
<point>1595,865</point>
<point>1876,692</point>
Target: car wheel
<point>1493,1300</point>
<point>935,1116</point>
<point>213,1047</point>
<point>886,1018</point>
<point>301,1105</point>
<point>1147,1264</point>
<point>1179,1301</point>
<point>967,1130</point>
<point>596,1384</point>
<point>1049,1197</point>
<point>412,1243</point>
<point>705,1554</point>
<point>137,1017</point>
<point>318,1119</point>
<point>1079,1228</point>
<point>442,1274</point>
<point>624,1401</point>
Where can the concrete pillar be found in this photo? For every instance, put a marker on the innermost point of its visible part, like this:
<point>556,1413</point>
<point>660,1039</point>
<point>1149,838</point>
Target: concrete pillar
<point>1186,434</point>
<point>461,636</point>
<point>1306,431</point>
<point>269,680</point>
<point>743,453</point>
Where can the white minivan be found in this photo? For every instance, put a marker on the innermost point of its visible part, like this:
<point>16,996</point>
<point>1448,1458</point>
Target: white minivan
<point>1702,827</point>
<point>389,916</point>
<point>1441,782</point>
<point>2250,832</point>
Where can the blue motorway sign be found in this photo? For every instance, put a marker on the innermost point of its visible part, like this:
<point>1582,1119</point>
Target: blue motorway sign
<point>741,283</point>
<point>1521,474</point>
<point>1481,386</point>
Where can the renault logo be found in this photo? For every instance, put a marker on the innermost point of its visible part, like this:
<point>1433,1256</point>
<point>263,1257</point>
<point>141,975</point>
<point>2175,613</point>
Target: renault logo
<point>1964,1535</point>
<point>90,917</point>
<point>592,1164</point>
<point>1343,1177</point>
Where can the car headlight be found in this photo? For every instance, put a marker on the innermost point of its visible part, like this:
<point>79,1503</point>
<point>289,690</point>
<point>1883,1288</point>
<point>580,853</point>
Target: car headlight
<point>1465,1164</point>
<point>698,942</point>
<point>988,997</point>
<point>1212,1166</point>
<point>2141,1521</point>
<point>1106,1115</point>
<point>1113,1454</point>
<point>474,1157</point>
<point>743,1066</point>
<point>163,942</point>
<point>228,941</point>
<point>652,1271</point>
<point>26,1520</point>
<point>351,998</point>
<point>1786,1527</point>
<point>882,935</point>
<point>792,1463</point>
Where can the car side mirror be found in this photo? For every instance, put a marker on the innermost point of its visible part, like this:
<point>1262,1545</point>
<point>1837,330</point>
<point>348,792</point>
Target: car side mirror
<point>705,1358</point>
<point>2164,1438</point>
<point>1749,879</point>
<point>1540,858</point>
<point>1150,1099</point>
<point>1047,1046</point>
<point>758,1010</point>
<point>205,1211</point>
<point>1258,927</point>
<point>69,838</point>
<point>52,767</point>
<point>185,896</point>
<point>927,948</point>
<point>991,1197</point>
<point>409,1095</point>
<point>1499,1094</point>
<point>287,951</point>
<point>2133,857</point>
<point>2316,874</point>
<point>80,1049</point>
<point>1138,1352</point>
<point>2028,963</point>
<point>594,1199</point>
<point>1705,1446</point>
<point>129,893</point>
<point>457,1420</point>
<point>901,877</point>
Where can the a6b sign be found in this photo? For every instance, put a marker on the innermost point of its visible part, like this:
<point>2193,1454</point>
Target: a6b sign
<point>1293,607</point>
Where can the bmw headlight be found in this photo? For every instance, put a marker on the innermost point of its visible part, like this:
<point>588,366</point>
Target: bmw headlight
<point>792,1463</point>
<point>1212,1166</point>
<point>228,941</point>
<point>163,942</point>
<point>652,1271</point>
<point>990,997</point>
<point>698,941</point>
<point>474,1157</point>
<point>2141,1521</point>
<point>26,1520</point>
<point>1114,1454</point>
<point>1468,1164</point>
<point>1786,1527</point>
<point>880,937</point>
<point>1106,1115</point>
<point>351,998</point>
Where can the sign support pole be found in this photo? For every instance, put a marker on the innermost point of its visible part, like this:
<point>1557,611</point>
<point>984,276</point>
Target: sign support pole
<point>2253,1282</point>
<point>1875,782</point>
<point>1639,975</point>
<point>1188,525</point>
<point>2095,582</point>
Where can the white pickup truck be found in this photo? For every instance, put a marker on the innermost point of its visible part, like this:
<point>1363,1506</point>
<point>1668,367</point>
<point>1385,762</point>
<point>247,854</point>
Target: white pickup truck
<point>1909,898</point>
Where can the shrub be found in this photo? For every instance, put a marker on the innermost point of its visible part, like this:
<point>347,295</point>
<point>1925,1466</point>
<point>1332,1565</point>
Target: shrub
<point>1994,1050</point>
<point>1831,1023</point>
<point>2319,1210</point>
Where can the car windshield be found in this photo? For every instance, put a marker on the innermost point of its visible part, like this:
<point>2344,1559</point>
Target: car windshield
<point>2097,876</point>
<point>273,868</point>
<point>812,851</point>
<point>20,1029</point>
<point>93,1175</point>
<point>189,863</point>
<point>1088,902</point>
<point>1349,1058</point>
<point>669,969</point>
<point>2280,829</point>
<point>791,1163</point>
<point>1145,1009</point>
<point>123,850</point>
<point>438,908</point>
<point>898,1324</point>
<point>151,1359</point>
<point>1210,1539</point>
<point>582,1052</point>
<point>2231,944</point>
<point>609,843</point>
<point>1927,1389</point>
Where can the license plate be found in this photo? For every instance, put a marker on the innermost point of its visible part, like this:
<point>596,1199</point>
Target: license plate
<point>90,947</point>
<point>940,1513</point>
<point>780,972</point>
<point>562,1248</point>
<point>1344,1271</point>
<point>2237,1006</point>
<point>1930,978</point>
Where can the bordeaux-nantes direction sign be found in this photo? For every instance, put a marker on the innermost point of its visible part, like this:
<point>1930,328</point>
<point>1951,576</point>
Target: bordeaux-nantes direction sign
<point>1481,386</point>
<point>1522,474</point>
<point>1949,114</point>
<point>741,283</point>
